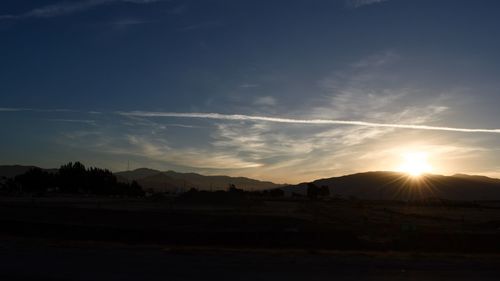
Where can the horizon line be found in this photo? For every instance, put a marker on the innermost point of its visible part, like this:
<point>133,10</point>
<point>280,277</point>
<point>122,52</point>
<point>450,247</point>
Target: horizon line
<point>113,171</point>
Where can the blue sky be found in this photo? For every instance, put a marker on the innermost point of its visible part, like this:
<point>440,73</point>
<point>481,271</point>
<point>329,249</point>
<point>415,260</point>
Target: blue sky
<point>108,82</point>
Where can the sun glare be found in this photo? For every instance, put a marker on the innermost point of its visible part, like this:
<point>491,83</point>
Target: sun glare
<point>415,164</point>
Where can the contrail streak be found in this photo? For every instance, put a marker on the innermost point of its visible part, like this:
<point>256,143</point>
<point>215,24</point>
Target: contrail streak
<point>240,117</point>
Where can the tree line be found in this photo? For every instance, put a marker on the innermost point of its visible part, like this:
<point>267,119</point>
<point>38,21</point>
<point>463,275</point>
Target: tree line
<point>71,178</point>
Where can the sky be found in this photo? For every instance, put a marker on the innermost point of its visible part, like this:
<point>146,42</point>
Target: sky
<point>280,90</point>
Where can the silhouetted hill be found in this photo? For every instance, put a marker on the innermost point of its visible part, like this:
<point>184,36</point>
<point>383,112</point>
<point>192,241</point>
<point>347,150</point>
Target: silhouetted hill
<point>137,173</point>
<point>477,178</point>
<point>162,182</point>
<point>10,171</point>
<point>399,186</point>
<point>174,181</point>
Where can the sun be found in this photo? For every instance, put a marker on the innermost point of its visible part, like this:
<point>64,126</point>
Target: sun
<point>415,164</point>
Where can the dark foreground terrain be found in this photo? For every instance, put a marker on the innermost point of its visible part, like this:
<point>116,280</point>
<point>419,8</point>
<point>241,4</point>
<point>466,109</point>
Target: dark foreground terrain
<point>36,260</point>
<point>142,239</point>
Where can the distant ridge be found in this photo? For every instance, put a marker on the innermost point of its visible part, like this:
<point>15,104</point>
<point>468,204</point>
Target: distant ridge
<point>400,186</point>
<point>165,181</point>
<point>477,178</point>
<point>381,185</point>
<point>174,181</point>
<point>10,171</point>
<point>137,173</point>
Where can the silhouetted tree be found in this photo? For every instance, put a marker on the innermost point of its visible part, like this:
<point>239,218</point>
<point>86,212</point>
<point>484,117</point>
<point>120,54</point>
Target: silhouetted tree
<point>72,179</point>
<point>35,180</point>
<point>136,189</point>
<point>103,182</point>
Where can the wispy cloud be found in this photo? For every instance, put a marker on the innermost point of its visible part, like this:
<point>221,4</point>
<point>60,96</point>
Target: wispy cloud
<point>377,60</point>
<point>58,111</point>
<point>90,122</point>
<point>66,8</point>
<point>16,109</point>
<point>160,150</point>
<point>12,109</point>
<point>265,101</point>
<point>19,109</point>
<point>241,117</point>
<point>183,126</point>
<point>359,3</point>
<point>309,151</point>
<point>365,117</point>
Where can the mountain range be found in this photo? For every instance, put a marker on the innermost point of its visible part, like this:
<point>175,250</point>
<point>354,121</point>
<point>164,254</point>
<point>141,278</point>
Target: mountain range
<point>370,185</point>
<point>400,186</point>
<point>169,181</point>
<point>174,181</point>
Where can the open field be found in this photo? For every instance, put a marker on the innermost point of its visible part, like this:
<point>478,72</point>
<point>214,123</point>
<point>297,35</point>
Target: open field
<point>303,224</point>
<point>138,239</point>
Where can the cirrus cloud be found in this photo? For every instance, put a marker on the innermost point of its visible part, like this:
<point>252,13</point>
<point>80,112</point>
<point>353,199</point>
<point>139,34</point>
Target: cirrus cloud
<point>242,117</point>
<point>65,8</point>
